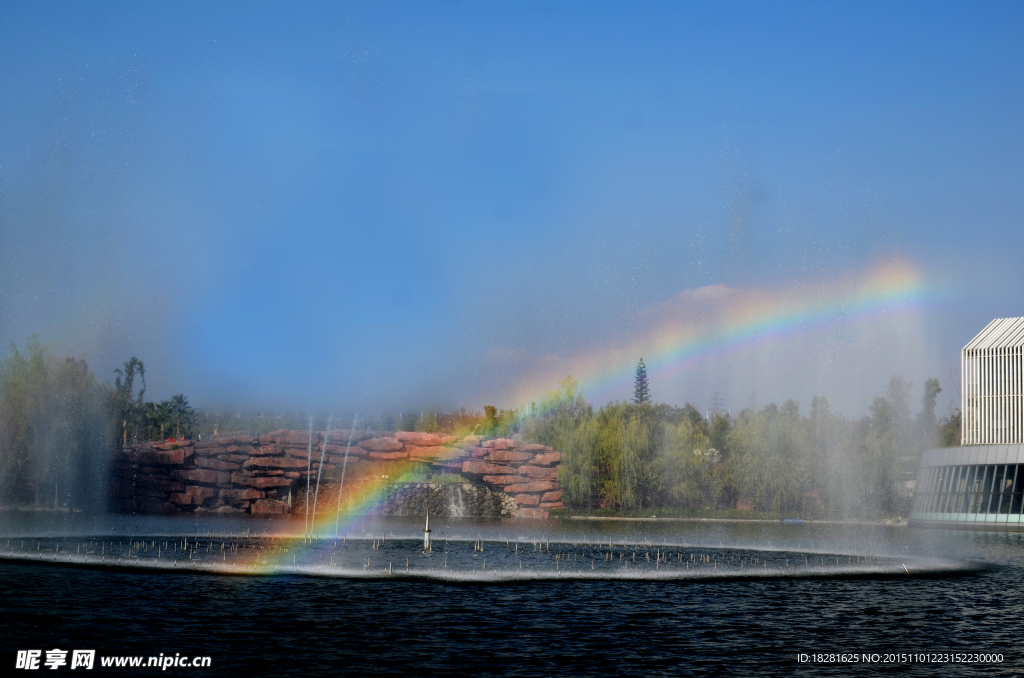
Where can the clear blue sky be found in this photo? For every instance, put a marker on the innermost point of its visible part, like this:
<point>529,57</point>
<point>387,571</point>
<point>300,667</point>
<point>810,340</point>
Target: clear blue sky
<point>347,206</point>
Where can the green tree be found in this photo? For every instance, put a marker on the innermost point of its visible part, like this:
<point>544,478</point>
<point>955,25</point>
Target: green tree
<point>888,451</point>
<point>721,424</point>
<point>928,426</point>
<point>427,423</point>
<point>931,392</point>
<point>54,430</point>
<point>833,471</point>
<point>561,409</point>
<point>769,453</point>
<point>949,429</point>
<point>880,457</point>
<point>578,444</point>
<point>162,417</point>
<point>638,481</point>
<point>640,391</point>
<point>181,415</point>
<point>498,422</point>
<point>127,407</point>
<point>691,477</point>
<point>630,456</point>
<point>611,427</point>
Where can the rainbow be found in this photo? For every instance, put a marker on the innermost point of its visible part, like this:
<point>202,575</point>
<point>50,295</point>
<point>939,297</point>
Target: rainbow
<point>676,342</point>
<point>359,497</point>
<point>704,324</point>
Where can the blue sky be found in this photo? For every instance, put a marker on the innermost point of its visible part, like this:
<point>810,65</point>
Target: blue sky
<point>371,206</point>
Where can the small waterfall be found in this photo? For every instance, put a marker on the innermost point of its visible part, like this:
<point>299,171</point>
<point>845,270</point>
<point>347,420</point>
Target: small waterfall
<point>456,504</point>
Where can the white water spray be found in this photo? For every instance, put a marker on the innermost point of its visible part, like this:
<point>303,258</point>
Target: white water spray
<point>456,505</point>
<point>319,472</point>
<point>309,471</point>
<point>341,486</point>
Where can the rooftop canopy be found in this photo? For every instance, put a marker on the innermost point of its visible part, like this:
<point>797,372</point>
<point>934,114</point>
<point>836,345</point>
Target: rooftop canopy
<point>1000,333</point>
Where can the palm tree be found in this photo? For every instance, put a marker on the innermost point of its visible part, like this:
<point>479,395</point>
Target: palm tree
<point>181,413</point>
<point>128,407</point>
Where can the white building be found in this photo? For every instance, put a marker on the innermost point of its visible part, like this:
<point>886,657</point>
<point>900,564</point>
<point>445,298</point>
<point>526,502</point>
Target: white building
<point>980,485</point>
<point>992,374</point>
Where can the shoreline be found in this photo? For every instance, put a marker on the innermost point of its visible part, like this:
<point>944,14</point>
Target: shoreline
<point>876,523</point>
<point>901,522</point>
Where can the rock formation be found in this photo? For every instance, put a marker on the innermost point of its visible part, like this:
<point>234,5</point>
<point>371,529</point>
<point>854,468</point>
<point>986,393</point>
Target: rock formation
<point>242,473</point>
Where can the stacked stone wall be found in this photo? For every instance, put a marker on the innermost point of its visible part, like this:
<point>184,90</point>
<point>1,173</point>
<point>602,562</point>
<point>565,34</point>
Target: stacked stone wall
<point>241,473</point>
<point>526,472</point>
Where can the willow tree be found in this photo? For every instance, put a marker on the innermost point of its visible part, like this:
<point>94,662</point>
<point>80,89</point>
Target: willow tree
<point>54,430</point>
<point>769,454</point>
<point>691,475</point>
<point>577,474</point>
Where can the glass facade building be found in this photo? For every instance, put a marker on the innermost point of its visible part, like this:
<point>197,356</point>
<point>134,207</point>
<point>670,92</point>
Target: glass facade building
<point>980,485</point>
<point>971,487</point>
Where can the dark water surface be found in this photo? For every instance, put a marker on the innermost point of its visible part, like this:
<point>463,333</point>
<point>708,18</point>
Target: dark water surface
<point>369,624</point>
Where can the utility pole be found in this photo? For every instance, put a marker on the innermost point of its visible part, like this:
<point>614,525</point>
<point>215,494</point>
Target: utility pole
<point>716,403</point>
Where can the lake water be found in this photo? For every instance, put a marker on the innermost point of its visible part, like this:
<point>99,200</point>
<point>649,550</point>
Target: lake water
<point>511,598</point>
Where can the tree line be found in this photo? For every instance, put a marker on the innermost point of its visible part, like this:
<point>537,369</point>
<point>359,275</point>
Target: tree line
<point>58,423</point>
<point>640,456</point>
<point>138,420</point>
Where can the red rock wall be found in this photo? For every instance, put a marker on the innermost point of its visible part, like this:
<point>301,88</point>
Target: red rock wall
<point>237,473</point>
<point>527,472</point>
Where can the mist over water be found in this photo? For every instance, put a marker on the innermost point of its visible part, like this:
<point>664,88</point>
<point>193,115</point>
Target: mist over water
<point>435,215</point>
<point>460,548</point>
<point>742,596</point>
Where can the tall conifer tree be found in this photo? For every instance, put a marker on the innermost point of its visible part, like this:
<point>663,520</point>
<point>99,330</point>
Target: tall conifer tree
<point>640,392</point>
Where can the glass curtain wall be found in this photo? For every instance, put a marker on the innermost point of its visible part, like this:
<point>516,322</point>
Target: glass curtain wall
<point>989,489</point>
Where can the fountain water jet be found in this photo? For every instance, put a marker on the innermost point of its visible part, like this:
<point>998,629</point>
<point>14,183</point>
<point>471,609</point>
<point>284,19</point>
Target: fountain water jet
<point>309,471</point>
<point>319,472</point>
<point>341,486</point>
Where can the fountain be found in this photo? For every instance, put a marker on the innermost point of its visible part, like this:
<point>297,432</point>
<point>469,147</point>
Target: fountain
<point>341,485</point>
<point>309,469</point>
<point>320,470</point>
<point>233,547</point>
